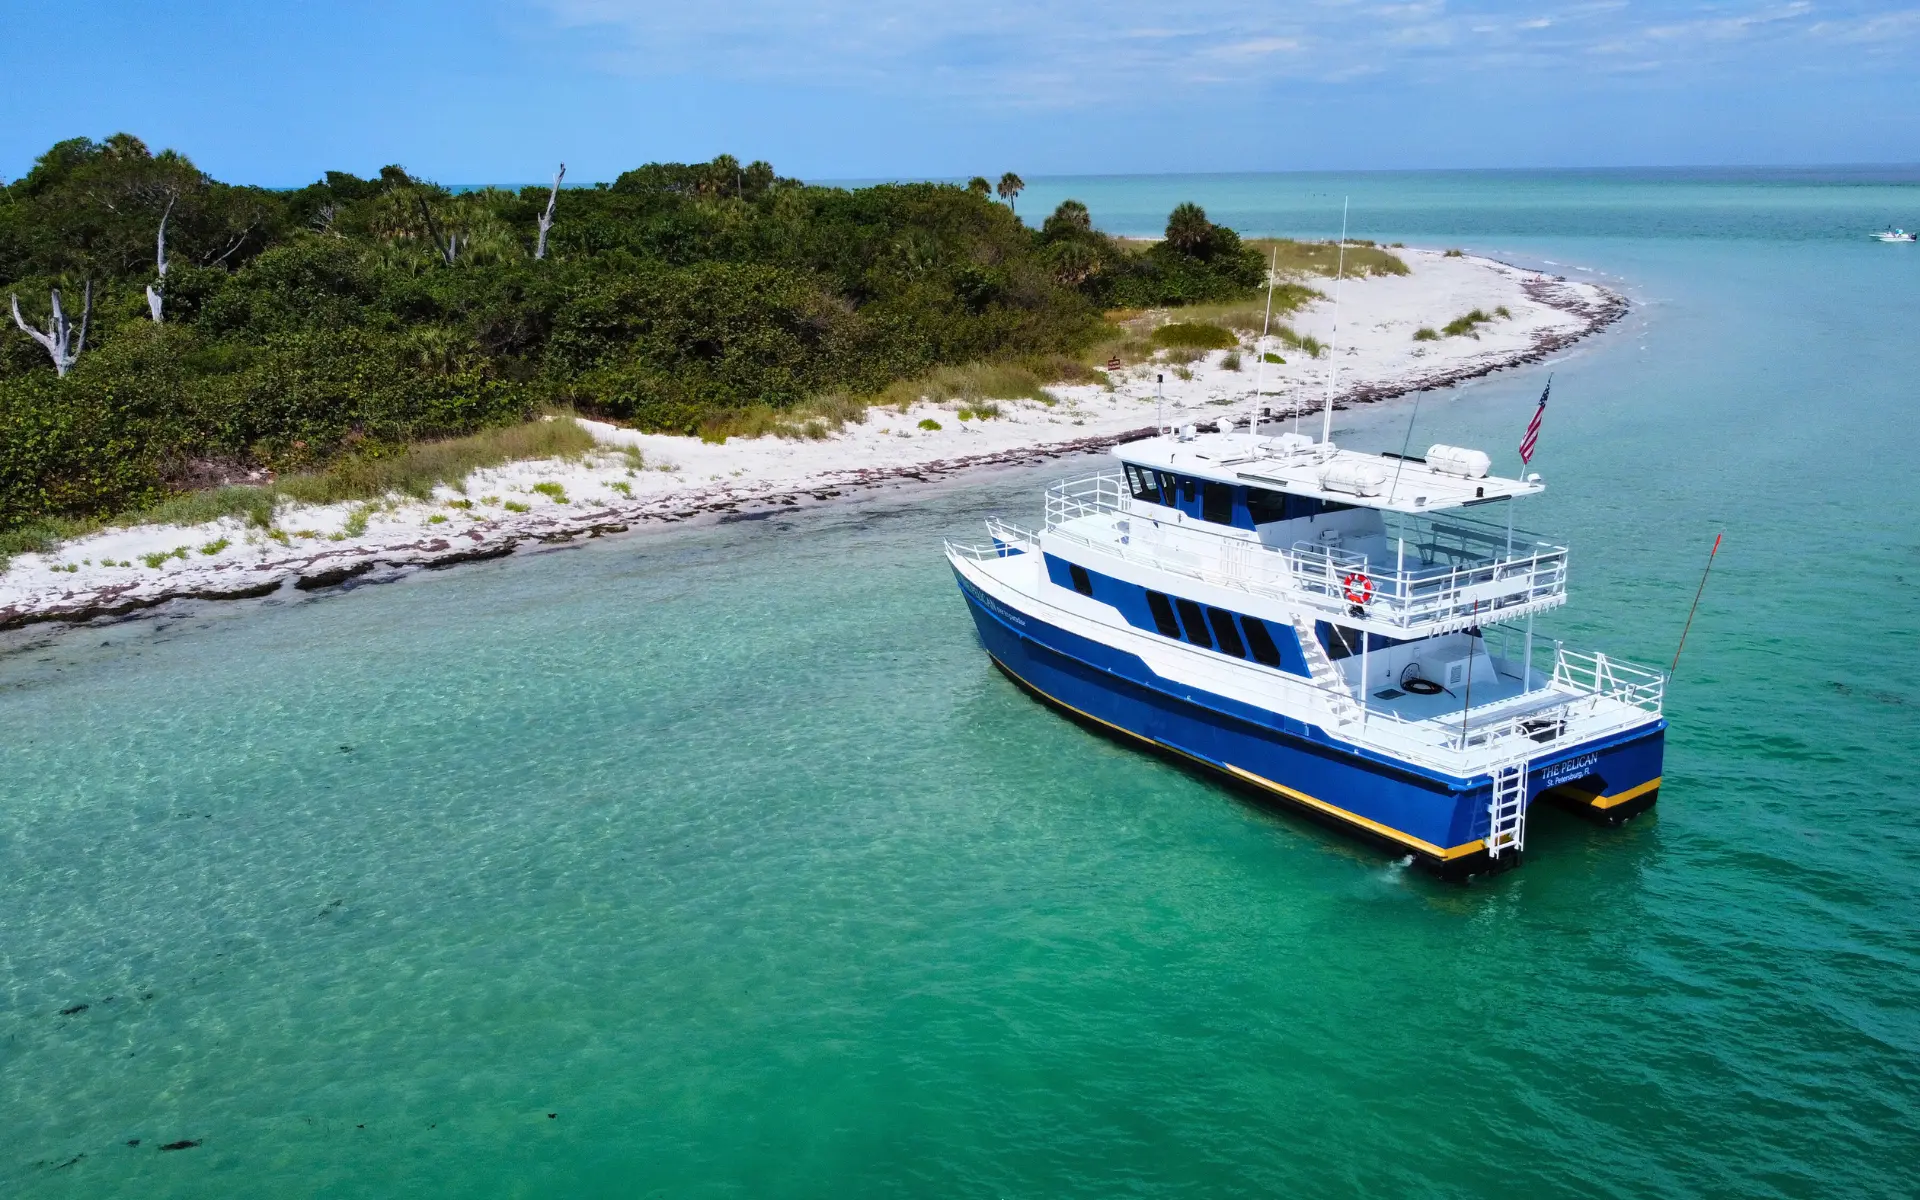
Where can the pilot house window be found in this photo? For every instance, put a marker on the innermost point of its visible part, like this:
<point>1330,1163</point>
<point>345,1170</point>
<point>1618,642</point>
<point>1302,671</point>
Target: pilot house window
<point>1082,583</point>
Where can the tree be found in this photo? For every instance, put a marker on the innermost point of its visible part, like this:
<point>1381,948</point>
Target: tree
<point>1188,229</point>
<point>58,338</point>
<point>1069,220</point>
<point>1073,262</point>
<point>546,218</point>
<point>1011,185</point>
<point>155,290</point>
<point>979,186</point>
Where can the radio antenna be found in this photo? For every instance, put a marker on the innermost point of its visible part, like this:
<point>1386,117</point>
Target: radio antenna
<point>1260,348</point>
<point>1333,353</point>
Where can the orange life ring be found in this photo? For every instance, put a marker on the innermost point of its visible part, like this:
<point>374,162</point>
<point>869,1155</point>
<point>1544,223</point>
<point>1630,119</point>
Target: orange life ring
<point>1359,588</point>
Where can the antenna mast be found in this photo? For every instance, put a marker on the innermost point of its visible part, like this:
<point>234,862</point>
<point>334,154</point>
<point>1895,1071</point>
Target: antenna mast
<point>1260,348</point>
<point>1333,353</point>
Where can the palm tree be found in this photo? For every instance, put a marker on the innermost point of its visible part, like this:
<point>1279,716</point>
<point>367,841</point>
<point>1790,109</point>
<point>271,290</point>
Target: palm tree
<point>1069,219</point>
<point>979,186</point>
<point>1188,228</point>
<point>1011,185</point>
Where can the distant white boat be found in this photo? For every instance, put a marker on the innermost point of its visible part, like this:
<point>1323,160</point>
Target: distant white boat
<point>1895,235</point>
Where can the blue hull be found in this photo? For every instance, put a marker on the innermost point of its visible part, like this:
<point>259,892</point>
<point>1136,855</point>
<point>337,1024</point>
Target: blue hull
<point>1441,819</point>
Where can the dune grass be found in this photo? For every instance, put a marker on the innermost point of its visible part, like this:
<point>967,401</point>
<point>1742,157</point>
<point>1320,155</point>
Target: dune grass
<point>973,385</point>
<point>1296,259</point>
<point>1194,335</point>
<point>1465,323</point>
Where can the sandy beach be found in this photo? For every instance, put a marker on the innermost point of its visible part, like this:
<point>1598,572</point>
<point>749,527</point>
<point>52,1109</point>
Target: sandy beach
<point>649,479</point>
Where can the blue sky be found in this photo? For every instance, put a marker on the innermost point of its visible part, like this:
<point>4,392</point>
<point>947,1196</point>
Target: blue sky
<point>498,90</point>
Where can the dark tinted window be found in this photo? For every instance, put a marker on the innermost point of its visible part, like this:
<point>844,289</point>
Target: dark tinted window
<point>1142,485</point>
<point>1265,506</point>
<point>1260,641</point>
<point>1341,643</point>
<point>1163,615</point>
<point>1186,490</point>
<point>1081,583</point>
<point>1196,623</point>
<point>1225,633</point>
<point>1216,503</point>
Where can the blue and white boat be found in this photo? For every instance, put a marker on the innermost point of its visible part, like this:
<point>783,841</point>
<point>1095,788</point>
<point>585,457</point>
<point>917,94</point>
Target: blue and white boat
<point>1352,634</point>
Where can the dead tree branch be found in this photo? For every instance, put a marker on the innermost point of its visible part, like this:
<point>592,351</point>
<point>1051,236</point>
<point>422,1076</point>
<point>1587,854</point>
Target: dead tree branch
<point>58,338</point>
<point>156,291</point>
<point>546,218</point>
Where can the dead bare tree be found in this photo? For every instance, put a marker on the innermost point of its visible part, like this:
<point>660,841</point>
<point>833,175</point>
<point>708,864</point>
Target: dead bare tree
<point>156,293</point>
<point>546,218</point>
<point>58,337</point>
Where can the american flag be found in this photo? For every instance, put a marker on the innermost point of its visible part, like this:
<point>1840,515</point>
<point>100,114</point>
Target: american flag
<point>1533,427</point>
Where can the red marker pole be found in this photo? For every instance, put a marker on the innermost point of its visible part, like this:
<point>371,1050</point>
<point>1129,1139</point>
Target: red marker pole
<point>1696,605</point>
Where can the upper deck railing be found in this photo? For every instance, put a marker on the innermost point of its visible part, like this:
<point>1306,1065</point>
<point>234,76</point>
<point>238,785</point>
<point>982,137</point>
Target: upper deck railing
<point>1467,572</point>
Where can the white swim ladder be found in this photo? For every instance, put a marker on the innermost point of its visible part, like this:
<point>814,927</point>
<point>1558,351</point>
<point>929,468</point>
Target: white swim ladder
<point>1507,809</point>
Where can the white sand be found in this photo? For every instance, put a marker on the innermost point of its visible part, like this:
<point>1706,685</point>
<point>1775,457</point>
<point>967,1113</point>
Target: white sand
<point>108,573</point>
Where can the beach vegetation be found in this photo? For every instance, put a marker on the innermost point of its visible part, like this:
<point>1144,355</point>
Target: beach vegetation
<point>215,546</point>
<point>1194,335</point>
<point>1426,333</point>
<point>1295,259</point>
<point>347,339</point>
<point>1231,362</point>
<point>1183,373</point>
<point>930,425</point>
<point>551,490</point>
<point>1308,344</point>
<point>356,522</point>
<point>621,486</point>
<point>437,519</point>
<point>1465,323</point>
<point>1503,312</point>
<point>516,506</point>
<point>1271,357</point>
<point>1454,254</point>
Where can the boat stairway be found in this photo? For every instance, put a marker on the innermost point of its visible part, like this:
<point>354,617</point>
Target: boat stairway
<point>1325,675</point>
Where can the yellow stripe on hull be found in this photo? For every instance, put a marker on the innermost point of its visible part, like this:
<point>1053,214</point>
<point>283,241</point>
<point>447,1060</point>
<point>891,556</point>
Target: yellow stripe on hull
<point>1632,793</point>
<point>1444,854</point>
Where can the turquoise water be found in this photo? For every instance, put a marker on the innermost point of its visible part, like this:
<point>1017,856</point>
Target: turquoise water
<point>726,846</point>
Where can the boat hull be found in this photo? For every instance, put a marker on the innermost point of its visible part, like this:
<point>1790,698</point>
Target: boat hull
<point>1441,820</point>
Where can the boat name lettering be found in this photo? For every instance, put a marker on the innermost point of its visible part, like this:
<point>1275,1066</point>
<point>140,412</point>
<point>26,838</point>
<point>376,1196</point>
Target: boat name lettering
<point>1573,768</point>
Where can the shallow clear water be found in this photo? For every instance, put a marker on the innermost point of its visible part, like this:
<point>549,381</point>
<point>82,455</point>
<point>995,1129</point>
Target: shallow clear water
<point>727,846</point>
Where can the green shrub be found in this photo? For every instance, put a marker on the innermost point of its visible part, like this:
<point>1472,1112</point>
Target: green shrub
<point>1503,313</point>
<point>1454,254</point>
<point>515,506</point>
<point>214,547</point>
<point>623,487</point>
<point>1232,361</point>
<point>552,491</point>
<point>1465,323</point>
<point>437,519</point>
<point>356,522</point>
<point>1194,335</point>
<point>1271,357</point>
<point>928,423</point>
<point>1425,334</point>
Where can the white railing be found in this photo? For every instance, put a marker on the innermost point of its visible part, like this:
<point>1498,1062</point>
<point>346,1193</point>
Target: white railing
<point>1473,572</point>
<point>1602,696</point>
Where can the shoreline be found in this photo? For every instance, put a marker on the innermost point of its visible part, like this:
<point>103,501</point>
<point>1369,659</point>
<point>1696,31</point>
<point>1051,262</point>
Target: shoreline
<point>657,481</point>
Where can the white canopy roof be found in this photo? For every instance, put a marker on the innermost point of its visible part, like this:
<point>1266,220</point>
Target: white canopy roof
<point>1302,468</point>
